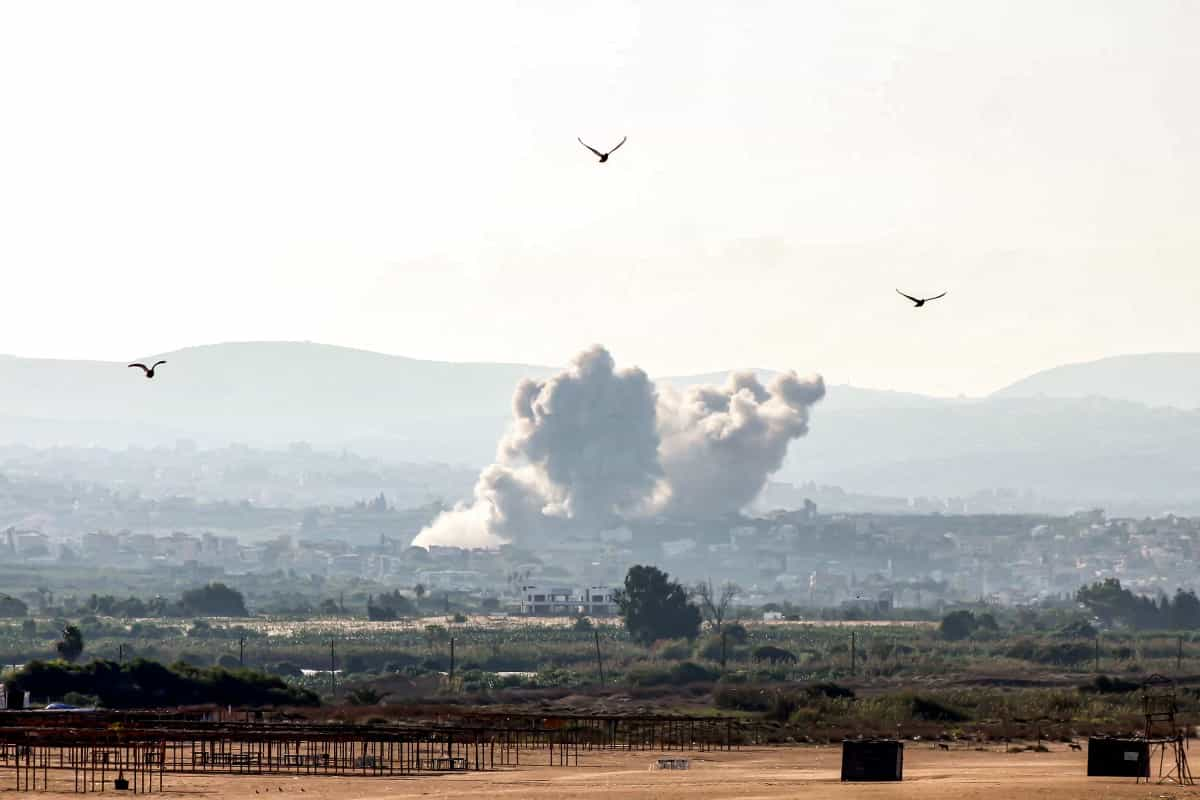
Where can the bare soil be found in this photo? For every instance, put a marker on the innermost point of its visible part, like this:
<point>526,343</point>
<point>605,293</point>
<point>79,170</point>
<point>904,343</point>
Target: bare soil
<point>750,774</point>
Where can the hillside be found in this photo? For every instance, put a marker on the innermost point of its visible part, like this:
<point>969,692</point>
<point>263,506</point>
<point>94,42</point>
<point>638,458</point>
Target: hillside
<point>277,392</point>
<point>1087,449</point>
<point>1154,379</point>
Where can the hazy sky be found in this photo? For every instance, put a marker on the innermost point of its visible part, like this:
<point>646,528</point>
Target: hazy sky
<point>404,177</point>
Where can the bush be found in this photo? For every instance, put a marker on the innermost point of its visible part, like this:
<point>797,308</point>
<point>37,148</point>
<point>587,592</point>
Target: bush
<point>81,700</point>
<point>782,705</point>
<point>831,690</point>
<point>676,675</point>
<point>775,655</point>
<point>148,684</point>
<point>957,625</point>
<point>583,625</point>
<point>931,710</point>
<point>1103,684</point>
<point>735,633</point>
<point>672,649</point>
<point>741,698</point>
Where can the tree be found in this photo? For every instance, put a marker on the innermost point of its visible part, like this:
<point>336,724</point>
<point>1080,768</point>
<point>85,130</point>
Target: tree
<point>12,607</point>
<point>214,600</point>
<point>1185,610</point>
<point>655,607</point>
<point>419,591</point>
<point>958,625</point>
<point>70,647</point>
<point>389,606</point>
<point>715,604</point>
<point>364,696</point>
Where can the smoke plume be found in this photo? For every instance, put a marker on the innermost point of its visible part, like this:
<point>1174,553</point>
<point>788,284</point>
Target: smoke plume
<point>596,445</point>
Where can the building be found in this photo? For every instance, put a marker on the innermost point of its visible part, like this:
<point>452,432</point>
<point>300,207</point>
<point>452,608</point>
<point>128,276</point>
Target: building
<point>596,601</point>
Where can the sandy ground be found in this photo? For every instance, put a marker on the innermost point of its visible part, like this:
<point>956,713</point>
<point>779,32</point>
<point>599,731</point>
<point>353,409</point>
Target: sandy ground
<point>759,773</point>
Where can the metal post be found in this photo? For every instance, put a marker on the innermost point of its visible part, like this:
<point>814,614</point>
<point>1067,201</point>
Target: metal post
<point>599,660</point>
<point>724,636</point>
<point>241,651</point>
<point>853,637</point>
<point>332,681</point>
<point>452,662</point>
<point>1179,656</point>
<point>1097,654</point>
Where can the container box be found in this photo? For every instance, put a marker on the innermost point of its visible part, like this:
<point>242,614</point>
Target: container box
<point>1118,758</point>
<point>872,760</point>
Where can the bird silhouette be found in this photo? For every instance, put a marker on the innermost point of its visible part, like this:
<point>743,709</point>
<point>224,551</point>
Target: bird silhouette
<point>603,156</point>
<point>920,301</point>
<point>148,370</point>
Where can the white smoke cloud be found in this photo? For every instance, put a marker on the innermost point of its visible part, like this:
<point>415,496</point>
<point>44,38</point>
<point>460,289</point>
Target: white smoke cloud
<point>595,446</point>
<point>719,445</point>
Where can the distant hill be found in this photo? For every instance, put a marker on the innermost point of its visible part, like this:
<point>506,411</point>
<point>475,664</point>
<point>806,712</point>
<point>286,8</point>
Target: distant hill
<point>277,392</point>
<point>1154,379</point>
<point>1092,449</point>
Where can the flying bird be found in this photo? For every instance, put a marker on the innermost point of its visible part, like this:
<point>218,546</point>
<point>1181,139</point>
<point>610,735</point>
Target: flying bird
<point>603,156</point>
<point>920,301</point>
<point>148,370</point>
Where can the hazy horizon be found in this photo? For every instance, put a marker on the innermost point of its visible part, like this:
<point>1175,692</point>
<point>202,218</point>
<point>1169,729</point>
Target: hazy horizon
<point>389,178</point>
<point>718,374</point>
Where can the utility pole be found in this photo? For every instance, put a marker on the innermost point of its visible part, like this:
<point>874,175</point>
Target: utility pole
<point>332,677</point>
<point>451,662</point>
<point>241,651</point>
<point>120,654</point>
<point>1179,656</point>
<point>724,637</point>
<point>599,660</point>
<point>853,648</point>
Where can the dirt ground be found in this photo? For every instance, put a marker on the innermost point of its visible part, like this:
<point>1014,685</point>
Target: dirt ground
<point>753,774</point>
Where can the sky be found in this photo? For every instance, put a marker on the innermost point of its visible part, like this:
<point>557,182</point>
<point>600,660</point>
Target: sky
<point>404,177</point>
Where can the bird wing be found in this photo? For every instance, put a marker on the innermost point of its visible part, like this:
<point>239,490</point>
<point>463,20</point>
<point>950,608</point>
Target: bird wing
<point>909,296</point>
<point>142,367</point>
<point>618,147</point>
<point>156,363</point>
<point>589,147</point>
<point>939,297</point>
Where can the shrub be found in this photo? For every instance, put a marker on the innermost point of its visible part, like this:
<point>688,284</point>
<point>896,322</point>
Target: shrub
<point>741,698</point>
<point>957,625</point>
<point>782,705</point>
<point>147,684</point>
<point>1103,684</point>
<point>831,690</point>
<point>679,674</point>
<point>933,711</point>
<point>775,655</point>
<point>735,633</point>
<point>672,649</point>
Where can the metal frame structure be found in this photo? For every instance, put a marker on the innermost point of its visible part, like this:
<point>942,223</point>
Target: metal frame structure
<point>39,750</point>
<point>1159,704</point>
